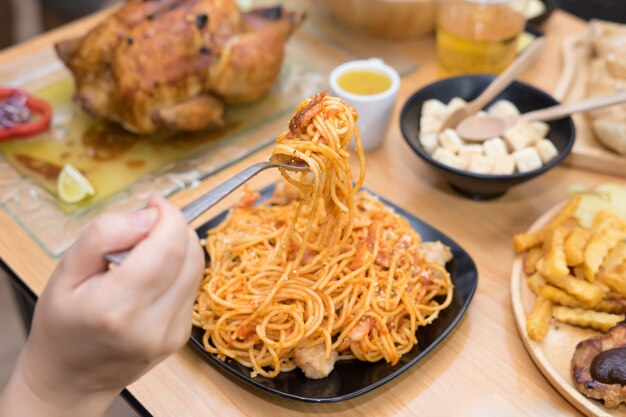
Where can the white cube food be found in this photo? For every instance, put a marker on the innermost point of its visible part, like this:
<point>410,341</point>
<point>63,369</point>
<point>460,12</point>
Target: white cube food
<point>456,103</point>
<point>451,140</point>
<point>541,128</point>
<point>503,108</point>
<point>441,153</point>
<point>503,165</point>
<point>434,107</point>
<point>520,136</point>
<point>495,148</point>
<point>467,151</point>
<point>480,164</point>
<point>527,159</point>
<point>448,158</point>
<point>546,149</point>
<point>429,141</point>
<point>429,123</point>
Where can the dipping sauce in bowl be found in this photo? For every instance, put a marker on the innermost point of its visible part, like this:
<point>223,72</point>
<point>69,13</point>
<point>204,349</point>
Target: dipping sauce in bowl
<point>364,82</point>
<point>371,87</point>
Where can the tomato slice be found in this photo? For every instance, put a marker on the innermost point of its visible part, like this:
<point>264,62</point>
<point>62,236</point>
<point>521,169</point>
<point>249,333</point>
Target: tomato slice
<point>37,106</point>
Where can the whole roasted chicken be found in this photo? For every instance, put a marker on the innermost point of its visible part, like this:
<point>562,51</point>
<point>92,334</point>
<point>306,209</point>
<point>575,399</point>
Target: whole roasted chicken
<point>172,64</point>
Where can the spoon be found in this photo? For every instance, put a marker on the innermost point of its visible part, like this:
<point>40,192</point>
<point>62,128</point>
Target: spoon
<point>501,82</point>
<point>480,128</point>
<point>213,196</point>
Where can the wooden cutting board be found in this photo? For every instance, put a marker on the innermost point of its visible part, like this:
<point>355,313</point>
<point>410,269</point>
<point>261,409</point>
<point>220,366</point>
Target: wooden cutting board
<point>553,354</point>
<point>587,152</point>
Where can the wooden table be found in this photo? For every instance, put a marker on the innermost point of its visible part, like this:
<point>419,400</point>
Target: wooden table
<point>483,359</point>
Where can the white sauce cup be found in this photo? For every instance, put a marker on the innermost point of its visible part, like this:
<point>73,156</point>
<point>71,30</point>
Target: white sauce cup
<point>375,109</point>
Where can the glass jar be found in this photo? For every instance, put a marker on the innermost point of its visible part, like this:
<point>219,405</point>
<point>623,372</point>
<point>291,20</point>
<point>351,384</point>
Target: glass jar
<point>478,36</point>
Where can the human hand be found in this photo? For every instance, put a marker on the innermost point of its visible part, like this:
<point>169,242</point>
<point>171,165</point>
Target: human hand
<point>96,330</point>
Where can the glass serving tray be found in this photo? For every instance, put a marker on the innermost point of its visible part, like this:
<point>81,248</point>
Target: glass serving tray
<point>126,169</point>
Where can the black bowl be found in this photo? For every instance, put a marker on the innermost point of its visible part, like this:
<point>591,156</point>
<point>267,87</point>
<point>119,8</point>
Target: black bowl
<point>468,87</point>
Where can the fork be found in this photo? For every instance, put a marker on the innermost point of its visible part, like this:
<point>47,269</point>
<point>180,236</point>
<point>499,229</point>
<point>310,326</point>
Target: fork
<point>215,195</point>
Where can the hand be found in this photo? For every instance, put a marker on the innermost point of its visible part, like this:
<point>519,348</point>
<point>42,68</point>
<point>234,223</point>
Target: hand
<point>96,330</point>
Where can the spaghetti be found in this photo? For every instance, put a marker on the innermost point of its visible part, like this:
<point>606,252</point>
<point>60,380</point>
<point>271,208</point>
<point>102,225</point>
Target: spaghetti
<point>330,273</point>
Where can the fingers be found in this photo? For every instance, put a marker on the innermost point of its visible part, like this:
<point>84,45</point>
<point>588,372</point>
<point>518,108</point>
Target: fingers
<point>156,261</point>
<point>107,233</point>
<point>179,299</point>
<point>191,273</point>
<point>165,286</point>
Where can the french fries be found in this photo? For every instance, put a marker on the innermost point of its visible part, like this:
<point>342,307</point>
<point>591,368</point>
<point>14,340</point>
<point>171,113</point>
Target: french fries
<point>554,266</point>
<point>615,281</point>
<point>531,259</point>
<point>586,318</point>
<point>612,305</point>
<point>535,282</point>
<point>524,241</point>
<point>579,272</point>
<point>585,292</point>
<point>576,270</point>
<point>558,296</point>
<point>566,212</point>
<point>538,322</point>
<point>575,246</point>
<point>615,258</point>
<point>598,248</point>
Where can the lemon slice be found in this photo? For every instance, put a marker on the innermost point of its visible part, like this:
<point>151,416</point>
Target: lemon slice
<point>72,186</point>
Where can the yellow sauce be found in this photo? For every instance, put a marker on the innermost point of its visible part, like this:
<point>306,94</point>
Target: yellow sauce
<point>364,82</point>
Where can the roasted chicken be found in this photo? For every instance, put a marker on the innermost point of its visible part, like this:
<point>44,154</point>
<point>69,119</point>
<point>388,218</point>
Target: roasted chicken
<point>172,64</point>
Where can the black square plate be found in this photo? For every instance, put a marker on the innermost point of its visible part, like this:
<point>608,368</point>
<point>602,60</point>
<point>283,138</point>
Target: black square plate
<point>353,377</point>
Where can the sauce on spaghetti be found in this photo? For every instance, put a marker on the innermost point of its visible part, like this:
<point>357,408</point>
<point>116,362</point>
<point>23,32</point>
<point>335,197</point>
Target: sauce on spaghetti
<point>321,272</point>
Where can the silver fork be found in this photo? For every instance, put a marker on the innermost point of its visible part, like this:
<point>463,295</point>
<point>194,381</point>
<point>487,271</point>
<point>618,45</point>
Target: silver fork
<point>215,195</point>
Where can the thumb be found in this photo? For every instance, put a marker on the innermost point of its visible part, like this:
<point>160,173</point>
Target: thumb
<point>106,233</point>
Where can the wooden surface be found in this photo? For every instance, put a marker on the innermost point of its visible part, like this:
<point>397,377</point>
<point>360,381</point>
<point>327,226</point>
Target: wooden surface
<point>553,354</point>
<point>587,152</point>
<point>483,362</point>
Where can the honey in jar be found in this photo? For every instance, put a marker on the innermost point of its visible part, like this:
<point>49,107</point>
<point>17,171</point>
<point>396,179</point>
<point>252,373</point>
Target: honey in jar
<point>478,36</point>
